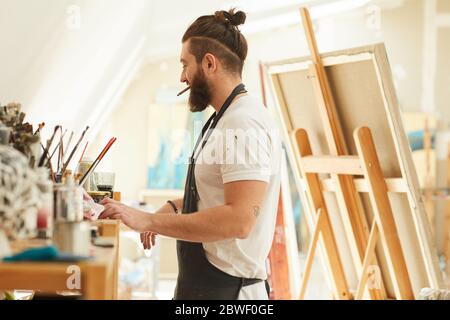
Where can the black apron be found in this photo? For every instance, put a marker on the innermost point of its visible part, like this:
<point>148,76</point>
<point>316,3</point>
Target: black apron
<point>197,278</point>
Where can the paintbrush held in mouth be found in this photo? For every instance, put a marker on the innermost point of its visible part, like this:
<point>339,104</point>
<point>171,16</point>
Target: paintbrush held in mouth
<point>183,91</point>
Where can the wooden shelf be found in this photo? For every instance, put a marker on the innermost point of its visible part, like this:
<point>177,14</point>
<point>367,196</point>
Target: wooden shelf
<point>99,276</point>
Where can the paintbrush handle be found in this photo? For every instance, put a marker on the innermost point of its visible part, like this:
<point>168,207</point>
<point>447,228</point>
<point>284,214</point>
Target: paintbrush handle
<point>67,146</point>
<point>90,171</point>
<point>84,150</point>
<point>96,162</point>
<point>87,174</point>
<point>49,143</point>
<point>105,150</point>
<point>57,146</point>
<point>73,150</point>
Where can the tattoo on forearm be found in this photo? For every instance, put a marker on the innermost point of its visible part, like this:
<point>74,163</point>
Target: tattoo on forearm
<point>256,211</point>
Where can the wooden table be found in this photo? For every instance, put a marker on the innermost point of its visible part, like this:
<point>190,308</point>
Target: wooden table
<point>99,276</point>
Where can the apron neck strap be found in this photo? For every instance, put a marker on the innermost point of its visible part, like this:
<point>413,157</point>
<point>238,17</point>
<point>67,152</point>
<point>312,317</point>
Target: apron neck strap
<point>215,117</point>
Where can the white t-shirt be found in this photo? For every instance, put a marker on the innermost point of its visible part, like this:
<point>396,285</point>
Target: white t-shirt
<point>244,146</point>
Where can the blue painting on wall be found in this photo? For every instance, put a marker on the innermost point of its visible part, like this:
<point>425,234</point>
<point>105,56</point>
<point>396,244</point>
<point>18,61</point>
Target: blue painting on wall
<point>166,173</point>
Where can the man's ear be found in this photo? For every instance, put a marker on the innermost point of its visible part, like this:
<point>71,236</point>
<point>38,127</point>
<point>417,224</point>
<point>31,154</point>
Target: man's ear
<point>209,63</point>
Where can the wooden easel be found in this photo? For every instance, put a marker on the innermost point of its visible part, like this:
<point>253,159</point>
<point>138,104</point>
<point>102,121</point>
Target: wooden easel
<point>341,168</point>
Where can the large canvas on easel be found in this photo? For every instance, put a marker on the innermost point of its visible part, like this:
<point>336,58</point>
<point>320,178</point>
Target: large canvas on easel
<point>364,94</point>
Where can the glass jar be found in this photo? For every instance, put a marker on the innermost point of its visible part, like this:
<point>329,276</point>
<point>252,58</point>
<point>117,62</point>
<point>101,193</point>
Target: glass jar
<point>82,167</point>
<point>68,201</point>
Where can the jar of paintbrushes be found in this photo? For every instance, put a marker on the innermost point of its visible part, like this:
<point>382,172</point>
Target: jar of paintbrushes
<point>81,169</point>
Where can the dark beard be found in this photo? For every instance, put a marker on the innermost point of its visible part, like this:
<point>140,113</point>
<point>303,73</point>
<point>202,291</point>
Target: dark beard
<point>200,95</point>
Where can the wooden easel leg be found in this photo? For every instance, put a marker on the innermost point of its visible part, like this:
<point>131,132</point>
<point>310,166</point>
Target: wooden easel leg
<point>310,255</point>
<point>447,239</point>
<point>315,197</point>
<point>368,258</point>
<point>378,195</point>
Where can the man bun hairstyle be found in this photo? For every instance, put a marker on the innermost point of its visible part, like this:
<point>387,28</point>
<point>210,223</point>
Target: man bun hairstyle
<point>234,18</point>
<point>219,35</point>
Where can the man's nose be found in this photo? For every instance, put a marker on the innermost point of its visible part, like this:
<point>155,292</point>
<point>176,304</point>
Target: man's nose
<point>183,77</point>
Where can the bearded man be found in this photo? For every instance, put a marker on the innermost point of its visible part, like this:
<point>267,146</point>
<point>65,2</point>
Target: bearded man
<point>225,222</point>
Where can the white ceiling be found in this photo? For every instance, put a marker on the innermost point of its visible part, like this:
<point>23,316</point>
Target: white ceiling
<point>68,61</point>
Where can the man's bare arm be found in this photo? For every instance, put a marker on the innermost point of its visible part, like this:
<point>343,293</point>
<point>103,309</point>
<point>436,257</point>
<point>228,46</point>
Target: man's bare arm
<point>167,208</point>
<point>234,219</point>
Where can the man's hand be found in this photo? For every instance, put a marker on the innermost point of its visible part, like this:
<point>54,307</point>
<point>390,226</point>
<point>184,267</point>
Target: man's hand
<point>87,210</point>
<point>131,217</point>
<point>86,195</point>
<point>148,239</point>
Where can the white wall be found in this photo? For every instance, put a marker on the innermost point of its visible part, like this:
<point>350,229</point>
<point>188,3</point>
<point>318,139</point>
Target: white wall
<point>68,60</point>
<point>401,28</point>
